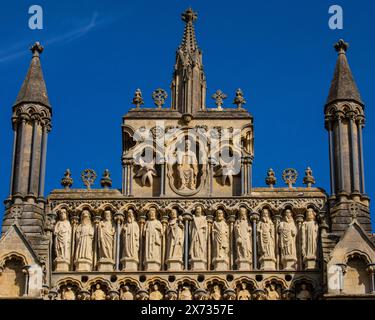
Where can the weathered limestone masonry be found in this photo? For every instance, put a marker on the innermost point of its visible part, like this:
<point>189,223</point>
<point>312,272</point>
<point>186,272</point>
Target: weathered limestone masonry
<point>187,222</point>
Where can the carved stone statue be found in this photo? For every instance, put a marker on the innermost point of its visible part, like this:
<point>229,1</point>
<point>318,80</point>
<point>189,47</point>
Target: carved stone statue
<point>175,244</point>
<point>130,236</point>
<point>125,294</point>
<point>243,294</point>
<point>68,294</point>
<point>310,231</point>
<point>266,241</point>
<point>187,168</point>
<point>304,294</point>
<point>226,171</point>
<point>98,294</point>
<point>272,293</point>
<point>63,235</point>
<point>155,294</point>
<point>106,233</point>
<point>242,235</point>
<point>198,245</point>
<point>84,239</point>
<point>288,232</point>
<point>185,293</point>
<point>220,242</point>
<point>216,293</point>
<point>146,171</point>
<point>153,233</point>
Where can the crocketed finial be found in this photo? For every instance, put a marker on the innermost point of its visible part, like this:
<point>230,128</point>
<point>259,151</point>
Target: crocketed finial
<point>189,15</point>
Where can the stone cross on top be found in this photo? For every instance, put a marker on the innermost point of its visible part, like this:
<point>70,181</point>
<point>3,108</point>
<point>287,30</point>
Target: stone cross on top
<point>36,49</point>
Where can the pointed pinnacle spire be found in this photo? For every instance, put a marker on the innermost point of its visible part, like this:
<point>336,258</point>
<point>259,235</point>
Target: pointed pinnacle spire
<point>189,42</point>
<point>343,86</point>
<point>34,89</point>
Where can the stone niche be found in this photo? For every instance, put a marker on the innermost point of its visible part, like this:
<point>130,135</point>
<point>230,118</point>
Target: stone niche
<point>356,279</point>
<point>12,279</point>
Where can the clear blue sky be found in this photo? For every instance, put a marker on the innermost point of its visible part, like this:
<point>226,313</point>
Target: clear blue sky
<point>98,52</point>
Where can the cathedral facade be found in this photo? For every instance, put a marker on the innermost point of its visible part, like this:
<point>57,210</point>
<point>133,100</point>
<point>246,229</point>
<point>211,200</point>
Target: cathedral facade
<point>187,223</point>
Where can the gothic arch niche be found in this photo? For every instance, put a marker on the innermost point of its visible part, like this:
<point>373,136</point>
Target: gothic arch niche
<point>12,277</point>
<point>99,289</point>
<point>304,289</point>
<point>245,289</point>
<point>186,288</point>
<point>69,289</point>
<point>356,278</point>
<point>216,288</point>
<point>157,289</point>
<point>128,289</point>
<point>186,159</point>
<point>274,288</point>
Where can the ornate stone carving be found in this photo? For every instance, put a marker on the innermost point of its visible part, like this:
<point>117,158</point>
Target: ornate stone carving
<point>219,98</point>
<point>220,242</point>
<point>215,292</point>
<point>243,293</point>
<point>288,232</point>
<point>125,293</point>
<point>138,99</point>
<point>187,168</point>
<point>130,233</point>
<point>146,171</point>
<point>242,235</point>
<point>272,293</point>
<point>304,293</point>
<point>98,293</point>
<point>106,233</point>
<point>155,294</point>
<point>88,177</point>
<point>308,180</point>
<point>67,180</point>
<point>185,293</point>
<point>198,245</point>
<point>106,181</point>
<point>271,179</point>
<point>175,242</point>
<point>239,100</point>
<point>68,294</point>
<point>310,232</point>
<point>290,177</point>
<point>159,96</point>
<point>63,235</point>
<point>84,239</point>
<point>153,233</point>
<point>266,240</point>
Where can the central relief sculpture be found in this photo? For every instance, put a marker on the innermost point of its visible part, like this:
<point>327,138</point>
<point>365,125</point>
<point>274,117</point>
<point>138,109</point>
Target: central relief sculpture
<point>186,165</point>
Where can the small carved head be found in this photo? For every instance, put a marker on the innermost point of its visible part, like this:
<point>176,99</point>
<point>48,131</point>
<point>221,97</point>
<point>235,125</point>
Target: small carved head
<point>155,287</point>
<point>243,213</point>
<point>63,214</point>
<point>265,215</point>
<point>86,217</point>
<point>107,215</point>
<point>243,285</point>
<point>173,213</point>
<point>125,288</point>
<point>152,213</point>
<point>198,211</point>
<point>219,215</point>
<point>310,214</point>
<point>130,215</point>
<point>97,286</point>
<point>288,215</point>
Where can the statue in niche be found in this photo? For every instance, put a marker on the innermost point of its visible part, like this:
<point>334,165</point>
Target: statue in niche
<point>68,294</point>
<point>304,294</point>
<point>153,233</point>
<point>85,236</point>
<point>187,168</point>
<point>242,234</point>
<point>106,233</point>
<point>185,293</point>
<point>175,236</point>
<point>216,293</point>
<point>288,232</point>
<point>125,294</point>
<point>130,233</point>
<point>146,171</point>
<point>220,241</point>
<point>266,236</point>
<point>155,293</point>
<point>243,293</point>
<point>272,293</point>
<point>199,233</point>
<point>226,171</point>
<point>310,230</point>
<point>63,235</point>
<point>98,294</point>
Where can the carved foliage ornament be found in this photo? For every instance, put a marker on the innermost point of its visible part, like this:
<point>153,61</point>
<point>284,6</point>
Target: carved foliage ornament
<point>88,177</point>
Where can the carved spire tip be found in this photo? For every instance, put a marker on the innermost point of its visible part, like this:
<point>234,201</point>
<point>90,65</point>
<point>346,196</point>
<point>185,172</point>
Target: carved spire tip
<point>36,48</point>
<point>189,16</point>
<point>341,46</point>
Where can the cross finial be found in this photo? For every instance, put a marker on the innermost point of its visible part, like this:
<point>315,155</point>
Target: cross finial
<point>36,49</point>
<point>341,46</point>
<point>219,96</point>
<point>189,16</point>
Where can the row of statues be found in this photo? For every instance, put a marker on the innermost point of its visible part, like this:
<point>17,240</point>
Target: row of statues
<point>186,292</point>
<point>150,245</point>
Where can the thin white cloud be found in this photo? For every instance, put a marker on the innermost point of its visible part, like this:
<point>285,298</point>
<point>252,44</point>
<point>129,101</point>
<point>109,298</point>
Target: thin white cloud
<point>18,50</point>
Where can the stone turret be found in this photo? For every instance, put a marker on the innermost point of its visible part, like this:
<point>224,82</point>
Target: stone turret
<point>344,121</point>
